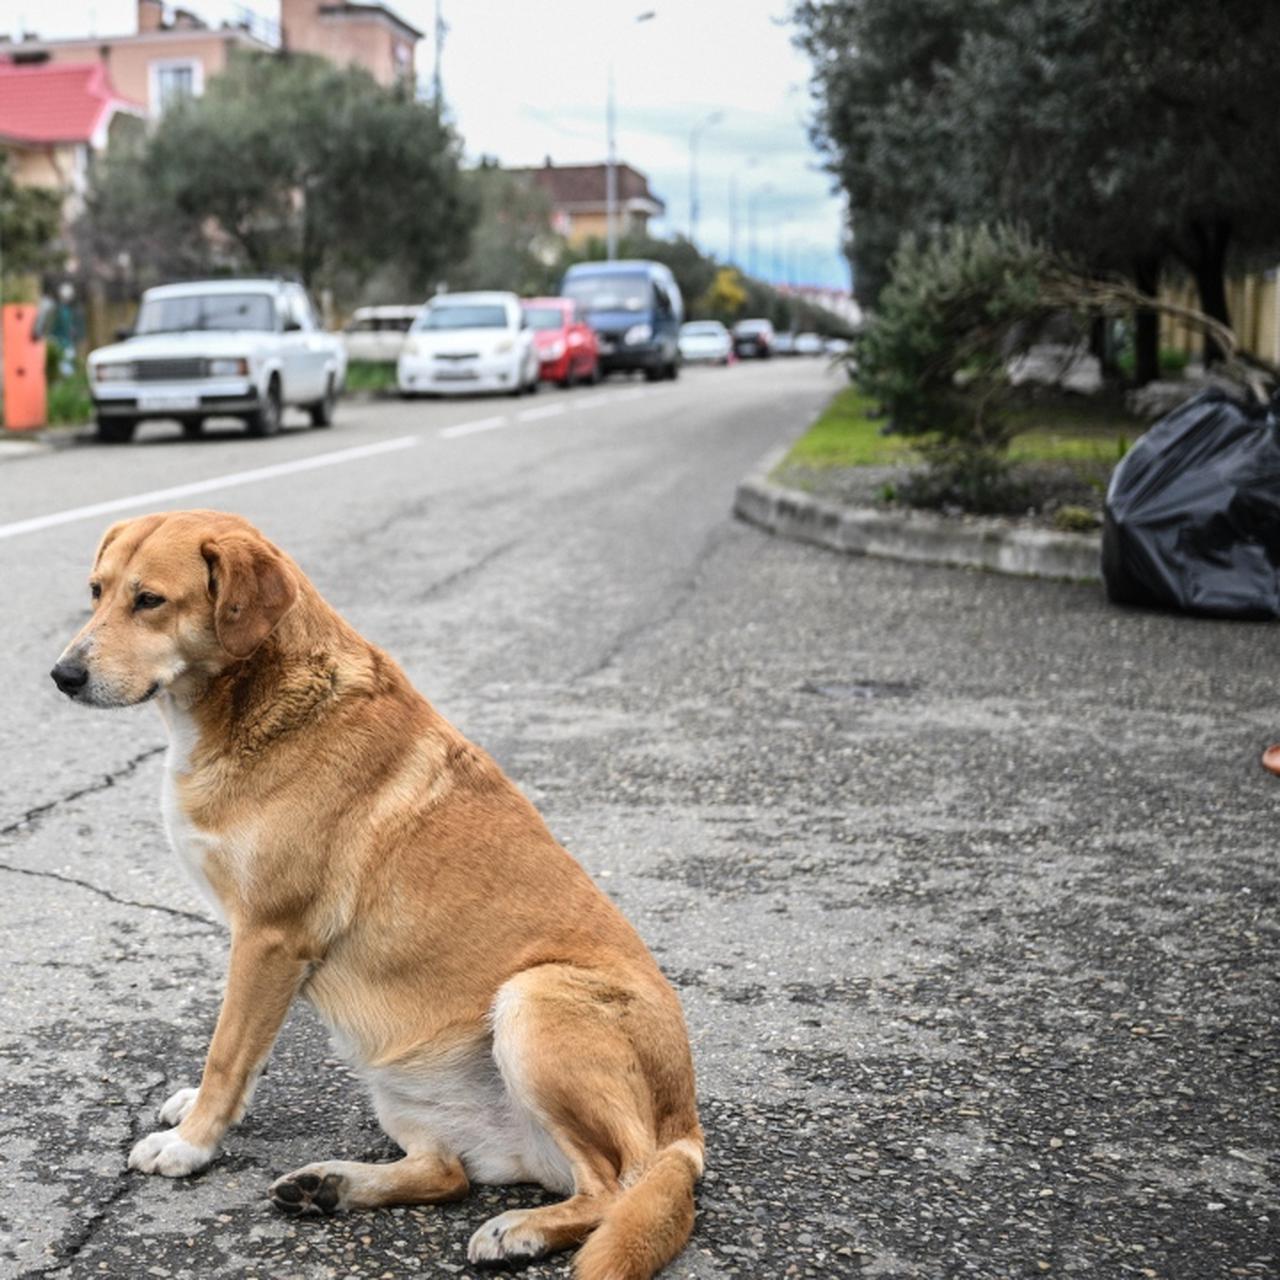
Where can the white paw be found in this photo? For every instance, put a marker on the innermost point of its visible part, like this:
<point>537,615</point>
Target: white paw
<point>166,1153</point>
<point>179,1105</point>
<point>505,1239</point>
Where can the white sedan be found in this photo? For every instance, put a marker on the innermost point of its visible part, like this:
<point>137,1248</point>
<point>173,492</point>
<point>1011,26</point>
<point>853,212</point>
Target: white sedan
<point>705,340</point>
<point>467,342</point>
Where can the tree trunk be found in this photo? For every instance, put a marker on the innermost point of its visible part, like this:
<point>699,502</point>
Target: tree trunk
<point>1146,324</point>
<point>1208,263</point>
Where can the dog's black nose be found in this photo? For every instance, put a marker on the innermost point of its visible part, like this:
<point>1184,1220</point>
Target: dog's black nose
<point>70,676</point>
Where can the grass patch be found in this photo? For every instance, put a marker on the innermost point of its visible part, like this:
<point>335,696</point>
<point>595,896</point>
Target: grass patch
<point>847,436</point>
<point>1051,430</point>
<point>371,375</point>
<point>68,402</point>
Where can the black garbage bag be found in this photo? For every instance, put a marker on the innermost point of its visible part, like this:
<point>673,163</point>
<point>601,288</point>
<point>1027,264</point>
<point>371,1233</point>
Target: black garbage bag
<point>1193,512</point>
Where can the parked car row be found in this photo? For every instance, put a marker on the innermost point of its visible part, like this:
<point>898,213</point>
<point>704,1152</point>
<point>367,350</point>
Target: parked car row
<point>251,348</point>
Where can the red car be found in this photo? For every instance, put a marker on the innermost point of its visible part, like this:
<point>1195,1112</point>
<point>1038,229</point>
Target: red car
<point>567,347</point>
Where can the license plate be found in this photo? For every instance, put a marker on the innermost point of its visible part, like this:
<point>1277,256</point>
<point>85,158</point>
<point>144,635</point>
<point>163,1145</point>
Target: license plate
<point>460,375</point>
<point>606,348</point>
<point>167,403</point>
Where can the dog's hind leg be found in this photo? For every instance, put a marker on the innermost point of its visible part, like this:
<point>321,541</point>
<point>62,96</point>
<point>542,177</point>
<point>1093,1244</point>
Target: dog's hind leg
<point>564,1040</point>
<point>330,1185</point>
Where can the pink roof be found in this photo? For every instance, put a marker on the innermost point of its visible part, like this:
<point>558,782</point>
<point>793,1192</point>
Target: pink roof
<point>56,101</point>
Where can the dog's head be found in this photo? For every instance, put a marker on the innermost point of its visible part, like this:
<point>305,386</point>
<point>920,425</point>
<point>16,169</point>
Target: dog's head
<point>176,599</point>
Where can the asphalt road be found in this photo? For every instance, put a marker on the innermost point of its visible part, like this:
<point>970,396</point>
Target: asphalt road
<point>968,884</point>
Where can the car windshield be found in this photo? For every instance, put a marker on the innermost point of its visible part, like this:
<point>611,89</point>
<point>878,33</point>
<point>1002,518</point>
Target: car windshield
<point>753,326</point>
<point>544,317</point>
<point>701,331</point>
<point>609,293</point>
<point>461,316</point>
<point>183,312</point>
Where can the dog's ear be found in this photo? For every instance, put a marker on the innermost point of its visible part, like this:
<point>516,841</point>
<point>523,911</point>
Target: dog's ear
<point>252,589</point>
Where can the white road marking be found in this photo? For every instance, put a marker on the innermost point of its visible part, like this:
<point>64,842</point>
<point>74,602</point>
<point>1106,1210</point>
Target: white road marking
<point>237,478</point>
<point>470,428</point>
<point>547,411</point>
<point>229,481</point>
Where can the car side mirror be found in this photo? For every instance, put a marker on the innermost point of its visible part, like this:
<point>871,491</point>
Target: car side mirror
<point>292,326</point>
<point>124,333</point>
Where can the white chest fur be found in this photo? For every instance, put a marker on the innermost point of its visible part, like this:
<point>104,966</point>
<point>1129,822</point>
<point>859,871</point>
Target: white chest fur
<point>192,845</point>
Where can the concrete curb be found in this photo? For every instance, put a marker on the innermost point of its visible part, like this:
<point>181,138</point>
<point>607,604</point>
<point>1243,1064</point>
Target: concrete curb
<point>970,541</point>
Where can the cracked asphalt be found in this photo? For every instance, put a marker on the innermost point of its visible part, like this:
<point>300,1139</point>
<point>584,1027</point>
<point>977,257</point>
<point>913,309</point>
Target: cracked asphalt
<point>968,884</point>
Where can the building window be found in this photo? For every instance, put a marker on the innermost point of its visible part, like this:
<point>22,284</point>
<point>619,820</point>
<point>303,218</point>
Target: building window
<point>171,81</point>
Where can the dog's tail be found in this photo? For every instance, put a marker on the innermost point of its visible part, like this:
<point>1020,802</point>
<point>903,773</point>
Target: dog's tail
<point>649,1223</point>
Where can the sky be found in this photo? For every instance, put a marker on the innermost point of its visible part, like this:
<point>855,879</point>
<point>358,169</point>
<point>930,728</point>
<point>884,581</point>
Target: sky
<point>527,79</point>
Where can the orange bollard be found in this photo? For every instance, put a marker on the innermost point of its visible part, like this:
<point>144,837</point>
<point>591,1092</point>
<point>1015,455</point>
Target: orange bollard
<point>25,400</point>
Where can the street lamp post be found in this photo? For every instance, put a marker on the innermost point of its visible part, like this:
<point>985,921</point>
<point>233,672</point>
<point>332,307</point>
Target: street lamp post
<point>694,134</point>
<point>611,166</point>
<point>751,224</point>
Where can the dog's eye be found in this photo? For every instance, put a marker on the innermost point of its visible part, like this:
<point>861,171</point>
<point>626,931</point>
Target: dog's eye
<point>147,600</point>
<point>95,590</point>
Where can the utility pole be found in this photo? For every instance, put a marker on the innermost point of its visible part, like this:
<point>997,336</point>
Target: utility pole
<point>751,224</point>
<point>611,163</point>
<point>437,80</point>
<point>695,133</point>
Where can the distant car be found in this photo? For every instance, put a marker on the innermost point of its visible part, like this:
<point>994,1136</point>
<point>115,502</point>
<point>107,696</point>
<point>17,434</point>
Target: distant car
<point>376,334</point>
<point>566,345</point>
<point>705,340</point>
<point>808,344</point>
<point>464,342</point>
<point>218,348</point>
<point>836,346</point>
<point>754,339</point>
<point>784,344</point>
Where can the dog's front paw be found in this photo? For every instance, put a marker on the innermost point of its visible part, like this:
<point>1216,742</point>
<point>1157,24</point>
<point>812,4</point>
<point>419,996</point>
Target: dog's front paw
<point>165,1152</point>
<point>178,1107</point>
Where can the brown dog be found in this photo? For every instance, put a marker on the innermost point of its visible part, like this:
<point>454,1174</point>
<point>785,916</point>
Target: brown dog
<point>510,1024</point>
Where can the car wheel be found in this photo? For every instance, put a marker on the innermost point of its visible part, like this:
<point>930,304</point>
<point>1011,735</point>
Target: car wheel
<point>193,428</point>
<point>322,411</point>
<point>567,382</point>
<point>673,370</point>
<point>266,421</point>
<point>655,373</point>
<point>116,430</point>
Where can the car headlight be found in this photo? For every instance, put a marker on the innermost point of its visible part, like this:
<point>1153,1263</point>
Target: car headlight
<point>553,351</point>
<point>507,344</point>
<point>120,372</point>
<point>638,333</point>
<point>228,368</point>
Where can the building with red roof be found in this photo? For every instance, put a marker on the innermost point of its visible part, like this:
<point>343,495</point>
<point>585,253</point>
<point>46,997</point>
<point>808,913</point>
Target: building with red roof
<point>55,116</point>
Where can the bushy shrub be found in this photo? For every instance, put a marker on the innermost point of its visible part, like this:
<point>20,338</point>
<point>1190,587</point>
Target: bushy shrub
<point>935,353</point>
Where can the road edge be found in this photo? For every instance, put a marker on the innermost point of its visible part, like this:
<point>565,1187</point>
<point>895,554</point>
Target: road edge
<point>918,536</point>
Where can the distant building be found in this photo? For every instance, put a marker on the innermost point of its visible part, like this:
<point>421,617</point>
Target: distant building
<point>55,118</point>
<point>368,35</point>
<point>578,195</point>
<point>840,302</point>
<point>174,53</point>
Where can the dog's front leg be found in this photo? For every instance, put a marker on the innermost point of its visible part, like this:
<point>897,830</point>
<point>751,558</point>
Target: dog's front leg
<point>263,977</point>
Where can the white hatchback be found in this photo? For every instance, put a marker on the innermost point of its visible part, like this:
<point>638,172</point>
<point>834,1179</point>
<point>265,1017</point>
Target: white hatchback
<point>468,342</point>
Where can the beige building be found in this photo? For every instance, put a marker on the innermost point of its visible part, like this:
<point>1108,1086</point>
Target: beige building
<point>368,35</point>
<point>174,53</point>
<point>578,195</point>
